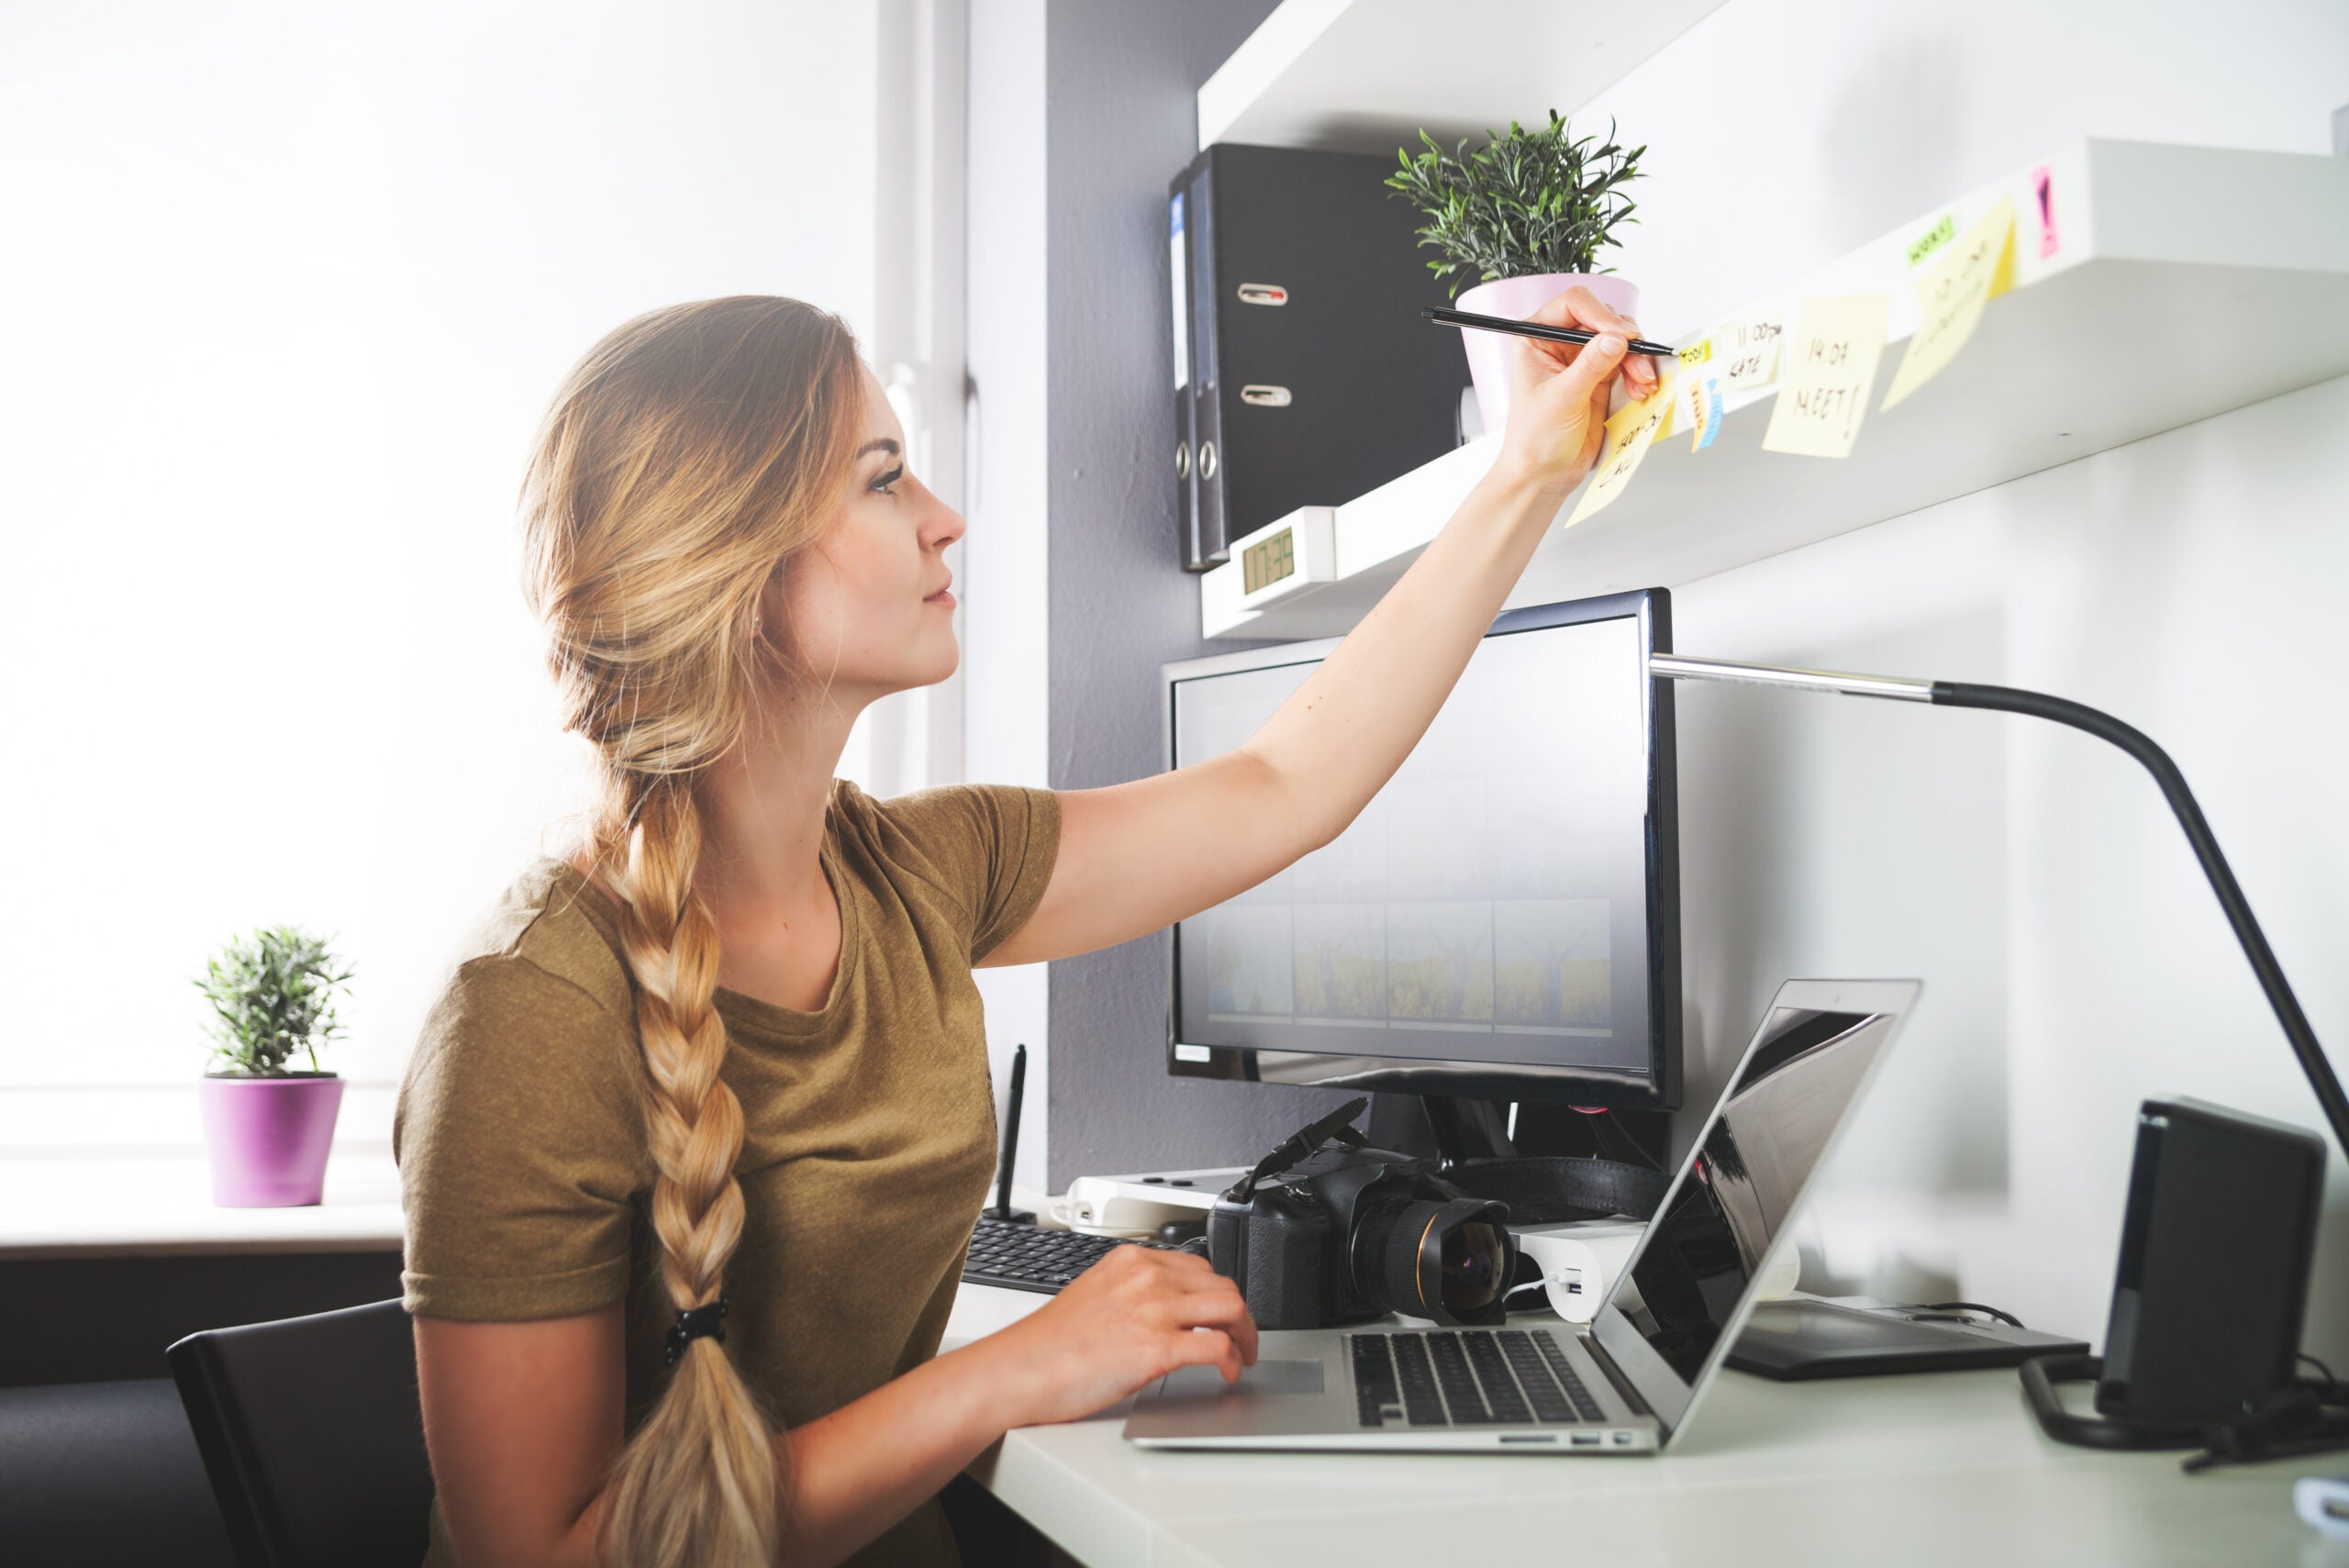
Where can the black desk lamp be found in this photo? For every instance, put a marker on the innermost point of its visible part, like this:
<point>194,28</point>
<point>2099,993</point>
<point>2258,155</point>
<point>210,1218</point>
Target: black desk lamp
<point>2006,699</point>
<point>2235,1196</point>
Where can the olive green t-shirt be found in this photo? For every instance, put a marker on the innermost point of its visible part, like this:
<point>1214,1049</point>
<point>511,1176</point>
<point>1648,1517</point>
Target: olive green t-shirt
<point>869,1125</point>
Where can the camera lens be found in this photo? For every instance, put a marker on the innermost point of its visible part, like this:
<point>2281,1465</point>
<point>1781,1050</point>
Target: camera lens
<point>1427,1259</point>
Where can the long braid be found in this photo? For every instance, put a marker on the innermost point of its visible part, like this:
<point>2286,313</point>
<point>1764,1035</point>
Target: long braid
<point>699,1482</point>
<point>685,461</point>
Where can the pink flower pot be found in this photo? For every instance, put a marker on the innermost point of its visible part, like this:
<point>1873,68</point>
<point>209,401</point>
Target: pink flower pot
<point>269,1137</point>
<point>1517,298</point>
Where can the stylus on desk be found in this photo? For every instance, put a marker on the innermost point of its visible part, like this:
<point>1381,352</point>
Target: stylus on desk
<point>1445,318</point>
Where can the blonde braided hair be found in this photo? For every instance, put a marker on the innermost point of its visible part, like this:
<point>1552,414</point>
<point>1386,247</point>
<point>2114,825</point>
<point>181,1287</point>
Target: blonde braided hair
<point>685,460</point>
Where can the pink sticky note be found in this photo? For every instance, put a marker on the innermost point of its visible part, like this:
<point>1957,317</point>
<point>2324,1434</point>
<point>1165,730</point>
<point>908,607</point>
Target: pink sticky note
<point>2042,195</point>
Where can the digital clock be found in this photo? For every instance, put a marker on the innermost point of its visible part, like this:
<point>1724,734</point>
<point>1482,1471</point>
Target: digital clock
<point>1274,561</point>
<point>1285,558</point>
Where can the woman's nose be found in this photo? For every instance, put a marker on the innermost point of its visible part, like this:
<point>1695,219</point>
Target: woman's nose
<point>947,528</point>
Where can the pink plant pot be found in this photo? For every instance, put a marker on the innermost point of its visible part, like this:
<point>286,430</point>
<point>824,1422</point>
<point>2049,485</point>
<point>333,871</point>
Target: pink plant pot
<point>1517,298</point>
<point>269,1137</point>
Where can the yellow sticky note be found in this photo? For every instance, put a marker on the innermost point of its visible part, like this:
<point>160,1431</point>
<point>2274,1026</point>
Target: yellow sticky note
<point>1950,296</point>
<point>1630,430</point>
<point>1749,351</point>
<point>1831,359</point>
<point>1695,354</point>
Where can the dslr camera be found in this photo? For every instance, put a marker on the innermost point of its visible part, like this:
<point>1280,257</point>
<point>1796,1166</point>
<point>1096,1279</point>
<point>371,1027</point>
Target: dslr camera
<point>1319,1236</point>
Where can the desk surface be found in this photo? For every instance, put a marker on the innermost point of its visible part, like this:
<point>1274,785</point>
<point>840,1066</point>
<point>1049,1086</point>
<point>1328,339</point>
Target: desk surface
<point>1933,1469</point>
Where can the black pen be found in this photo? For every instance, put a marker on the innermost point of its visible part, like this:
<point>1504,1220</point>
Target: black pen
<point>1444,317</point>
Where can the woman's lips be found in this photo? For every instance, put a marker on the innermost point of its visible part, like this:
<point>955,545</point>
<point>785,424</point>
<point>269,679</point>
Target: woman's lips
<point>943,598</point>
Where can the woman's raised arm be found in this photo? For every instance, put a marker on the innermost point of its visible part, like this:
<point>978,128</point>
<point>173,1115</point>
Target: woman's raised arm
<point>1138,856</point>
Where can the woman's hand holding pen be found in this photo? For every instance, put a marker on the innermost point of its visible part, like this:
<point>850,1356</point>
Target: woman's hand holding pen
<point>1557,398</point>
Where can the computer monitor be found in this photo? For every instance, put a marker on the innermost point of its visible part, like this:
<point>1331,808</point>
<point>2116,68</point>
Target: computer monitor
<point>1501,922</point>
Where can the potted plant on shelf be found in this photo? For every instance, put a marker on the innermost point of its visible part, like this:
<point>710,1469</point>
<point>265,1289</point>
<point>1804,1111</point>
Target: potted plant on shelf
<point>1523,218</point>
<point>268,1126</point>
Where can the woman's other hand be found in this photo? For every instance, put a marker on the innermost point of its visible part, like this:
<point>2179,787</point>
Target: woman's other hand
<point>1557,394</point>
<point>1122,1323</point>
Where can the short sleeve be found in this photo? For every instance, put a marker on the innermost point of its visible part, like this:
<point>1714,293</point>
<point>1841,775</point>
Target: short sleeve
<point>519,1137</point>
<point>988,847</point>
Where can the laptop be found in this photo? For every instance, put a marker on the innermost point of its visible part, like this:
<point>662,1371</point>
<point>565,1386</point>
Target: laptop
<point>1628,1381</point>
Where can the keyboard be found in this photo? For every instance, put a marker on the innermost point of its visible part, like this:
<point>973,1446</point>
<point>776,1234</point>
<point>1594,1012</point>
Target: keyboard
<point>1466,1377</point>
<point>1018,1256</point>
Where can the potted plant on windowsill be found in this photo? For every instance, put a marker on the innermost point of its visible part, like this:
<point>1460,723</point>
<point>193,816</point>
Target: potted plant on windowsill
<point>1523,218</point>
<point>268,1126</point>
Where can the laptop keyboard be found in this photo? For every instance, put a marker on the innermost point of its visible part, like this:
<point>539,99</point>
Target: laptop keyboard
<point>1467,1377</point>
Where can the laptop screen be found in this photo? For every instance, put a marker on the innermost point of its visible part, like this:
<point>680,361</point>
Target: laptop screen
<point>1698,1259</point>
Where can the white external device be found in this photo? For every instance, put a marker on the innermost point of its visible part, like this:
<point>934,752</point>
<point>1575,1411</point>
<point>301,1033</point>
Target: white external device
<point>2323,1503</point>
<point>1580,1261</point>
<point>1137,1205</point>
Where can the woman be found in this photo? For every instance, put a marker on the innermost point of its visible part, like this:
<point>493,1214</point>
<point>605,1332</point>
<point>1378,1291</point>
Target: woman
<point>731,1049</point>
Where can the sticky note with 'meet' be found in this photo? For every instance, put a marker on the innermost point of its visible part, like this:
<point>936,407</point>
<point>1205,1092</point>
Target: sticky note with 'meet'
<point>1630,432</point>
<point>1831,360</point>
<point>1950,296</point>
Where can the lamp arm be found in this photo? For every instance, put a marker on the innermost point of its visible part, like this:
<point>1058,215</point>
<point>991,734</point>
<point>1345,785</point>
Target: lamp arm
<point>2156,762</point>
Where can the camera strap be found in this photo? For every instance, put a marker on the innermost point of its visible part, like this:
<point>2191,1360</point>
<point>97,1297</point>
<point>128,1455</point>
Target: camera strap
<point>1551,1188</point>
<point>1302,1145</point>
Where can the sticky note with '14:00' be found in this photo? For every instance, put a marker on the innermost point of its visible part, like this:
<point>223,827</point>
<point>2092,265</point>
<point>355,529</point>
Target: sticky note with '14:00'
<point>1828,370</point>
<point>1630,432</point>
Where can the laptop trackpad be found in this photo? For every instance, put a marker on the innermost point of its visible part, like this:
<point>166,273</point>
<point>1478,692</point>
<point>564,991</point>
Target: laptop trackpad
<point>1265,1377</point>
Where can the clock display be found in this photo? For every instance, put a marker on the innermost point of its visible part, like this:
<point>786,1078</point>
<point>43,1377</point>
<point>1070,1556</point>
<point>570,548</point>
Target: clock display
<point>1266,562</point>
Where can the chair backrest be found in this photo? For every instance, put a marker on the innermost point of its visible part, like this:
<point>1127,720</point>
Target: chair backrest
<point>312,1437</point>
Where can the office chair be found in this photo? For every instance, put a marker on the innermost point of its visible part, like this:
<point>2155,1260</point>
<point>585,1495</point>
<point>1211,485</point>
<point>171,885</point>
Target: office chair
<point>313,1438</point>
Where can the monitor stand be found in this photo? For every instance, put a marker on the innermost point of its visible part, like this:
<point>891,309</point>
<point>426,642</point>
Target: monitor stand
<point>1456,1129</point>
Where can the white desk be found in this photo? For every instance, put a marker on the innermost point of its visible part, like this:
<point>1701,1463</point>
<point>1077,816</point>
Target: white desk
<point>1924,1471</point>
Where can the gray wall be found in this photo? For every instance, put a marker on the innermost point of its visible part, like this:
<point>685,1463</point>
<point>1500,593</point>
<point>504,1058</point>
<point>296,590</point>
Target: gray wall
<point>1122,119</point>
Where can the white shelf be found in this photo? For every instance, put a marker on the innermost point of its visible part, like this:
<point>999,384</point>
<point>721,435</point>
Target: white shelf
<point>1304,77</point>
<point>89,1206</point>
<point>2189,280</point>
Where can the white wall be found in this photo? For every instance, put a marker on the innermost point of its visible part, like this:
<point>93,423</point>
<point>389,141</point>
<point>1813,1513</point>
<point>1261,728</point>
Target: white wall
<point>2075,960</point>
<point>1782,134</point>
<point>288,287</point>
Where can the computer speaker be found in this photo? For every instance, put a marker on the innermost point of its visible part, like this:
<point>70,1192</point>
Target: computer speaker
<point>2213,1275</point>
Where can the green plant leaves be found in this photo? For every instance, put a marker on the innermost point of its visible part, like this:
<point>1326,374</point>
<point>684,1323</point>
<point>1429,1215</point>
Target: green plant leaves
<point>1525,202</point>
<point>272,995</point>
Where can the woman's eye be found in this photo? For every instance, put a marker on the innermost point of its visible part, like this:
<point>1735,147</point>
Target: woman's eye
<point>885,481</point>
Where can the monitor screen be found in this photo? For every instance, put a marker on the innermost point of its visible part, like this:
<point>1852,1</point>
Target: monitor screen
<point>1502,918</point>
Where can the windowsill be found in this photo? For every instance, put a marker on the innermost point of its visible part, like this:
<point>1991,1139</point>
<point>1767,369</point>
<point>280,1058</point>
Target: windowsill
<point>93,1204</point>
